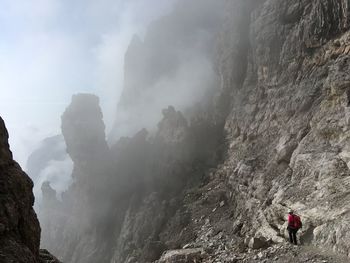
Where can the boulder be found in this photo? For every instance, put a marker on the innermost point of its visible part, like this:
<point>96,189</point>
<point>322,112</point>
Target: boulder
<point>183,256</point>
<point>258,243</point>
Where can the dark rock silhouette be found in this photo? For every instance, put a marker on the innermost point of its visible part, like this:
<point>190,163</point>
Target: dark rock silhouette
<point>19,226</point>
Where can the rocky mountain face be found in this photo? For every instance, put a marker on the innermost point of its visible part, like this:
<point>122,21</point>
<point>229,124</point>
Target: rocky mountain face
<point>216,184</point>
<point>19,226</point>
<point>288,129</point>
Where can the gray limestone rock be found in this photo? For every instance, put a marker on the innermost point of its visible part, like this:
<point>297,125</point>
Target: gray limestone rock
<point>183,256</point>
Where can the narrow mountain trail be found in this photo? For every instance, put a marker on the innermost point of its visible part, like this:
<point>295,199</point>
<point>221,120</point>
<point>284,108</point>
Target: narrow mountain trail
<point>279,253</point>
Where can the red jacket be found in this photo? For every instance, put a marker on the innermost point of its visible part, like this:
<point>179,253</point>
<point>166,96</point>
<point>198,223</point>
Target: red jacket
<point>293,221</point>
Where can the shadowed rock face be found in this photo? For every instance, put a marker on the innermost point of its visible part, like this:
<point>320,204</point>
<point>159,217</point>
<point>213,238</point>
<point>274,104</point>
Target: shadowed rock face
<point>19,227</point>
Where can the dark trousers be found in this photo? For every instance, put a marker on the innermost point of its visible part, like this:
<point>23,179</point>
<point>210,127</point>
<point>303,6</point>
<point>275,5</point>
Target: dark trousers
<point>293,235</point>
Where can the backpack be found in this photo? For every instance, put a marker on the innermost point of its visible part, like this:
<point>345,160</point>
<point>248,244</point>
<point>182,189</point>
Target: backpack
<point>297,222</point>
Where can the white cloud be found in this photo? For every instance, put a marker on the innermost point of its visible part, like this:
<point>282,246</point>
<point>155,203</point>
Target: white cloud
<point>58,173</point>
<point>29,13</point>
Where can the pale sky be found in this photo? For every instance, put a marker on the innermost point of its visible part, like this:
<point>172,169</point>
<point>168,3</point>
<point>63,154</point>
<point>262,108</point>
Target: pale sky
<point>51,49</point>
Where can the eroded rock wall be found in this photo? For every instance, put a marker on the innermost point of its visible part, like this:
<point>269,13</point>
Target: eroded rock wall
<point>288,128</point>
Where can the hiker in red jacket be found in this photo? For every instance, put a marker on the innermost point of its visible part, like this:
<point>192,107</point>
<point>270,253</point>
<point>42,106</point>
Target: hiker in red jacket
<point>294,224</point>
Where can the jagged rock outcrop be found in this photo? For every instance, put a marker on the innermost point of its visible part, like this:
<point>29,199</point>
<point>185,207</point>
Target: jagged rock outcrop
<point>70,225</point>
<point>19,226</point>
<point>172,129</point>
<point>84,131</point>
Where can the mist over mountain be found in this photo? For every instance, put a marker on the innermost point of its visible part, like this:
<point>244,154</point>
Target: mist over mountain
<point>172,65</point>
<point>50,163</point>
<point>52,49</point>
<point>232,114</point>
<point>159,162</point>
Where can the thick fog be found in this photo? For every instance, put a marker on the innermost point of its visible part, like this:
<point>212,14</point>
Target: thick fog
<point>172,65</point>
<point>51,49</point>
<point>107,102</point>
<point>137,56</point>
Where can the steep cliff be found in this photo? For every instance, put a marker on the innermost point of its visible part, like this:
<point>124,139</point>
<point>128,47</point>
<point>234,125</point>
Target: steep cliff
<point>285,86</point>
<point>19,226</point>
<point>284,97</point>
<point>288,125</point>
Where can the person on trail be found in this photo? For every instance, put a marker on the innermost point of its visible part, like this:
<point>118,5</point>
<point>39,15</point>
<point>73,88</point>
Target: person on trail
<point>294,224</point>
